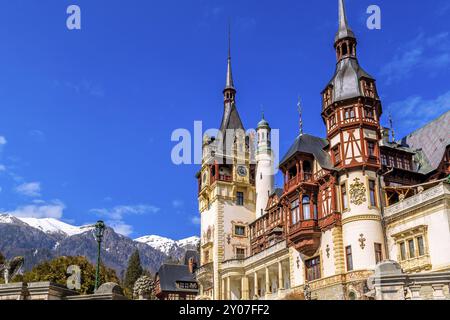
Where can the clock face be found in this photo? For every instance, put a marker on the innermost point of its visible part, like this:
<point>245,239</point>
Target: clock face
<point>242,171</point>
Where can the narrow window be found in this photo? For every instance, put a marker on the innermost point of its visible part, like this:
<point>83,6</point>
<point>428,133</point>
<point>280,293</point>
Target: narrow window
<point>383,160</point>
<point>313,269</point>
<point>337,155</point>
<point>306,208</point>
<point>349,258</point>
<point>371,148</point>
<point>421,246</point>
<point>344,197</point>
<point>294,211</point>
<point>412,253</point>
<point>373,199</point>
<point>316,211</point>
<point>378,253</point>
<point>240,198</point>
<point>402,251</point>
<point>368,112</point>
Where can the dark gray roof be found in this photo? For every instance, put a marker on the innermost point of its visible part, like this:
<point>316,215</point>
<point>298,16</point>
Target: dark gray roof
<point>306,143</point>
<point>230,118</point>
<point>430,143</point>
<point>346,80</point>
<point>170,274</point>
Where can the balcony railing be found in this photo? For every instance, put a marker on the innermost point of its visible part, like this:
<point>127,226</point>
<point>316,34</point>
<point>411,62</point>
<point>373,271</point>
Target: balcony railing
<point>222,177</point>
<point>257,257</point>
<point>418,199</point>
<point>204,270</point>
<point>306,177</point>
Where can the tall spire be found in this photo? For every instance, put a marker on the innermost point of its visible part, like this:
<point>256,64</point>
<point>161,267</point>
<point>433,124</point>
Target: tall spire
<point>344,30</point>
<point>229,82</point>
<point>300,113</point>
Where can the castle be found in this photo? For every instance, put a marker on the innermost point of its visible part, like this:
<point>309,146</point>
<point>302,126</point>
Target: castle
<point>349,202</point>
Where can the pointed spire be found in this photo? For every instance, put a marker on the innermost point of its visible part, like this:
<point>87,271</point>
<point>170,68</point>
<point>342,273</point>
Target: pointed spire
<point>300,112</point>
<point>229,82</point>
<point>344,30</point>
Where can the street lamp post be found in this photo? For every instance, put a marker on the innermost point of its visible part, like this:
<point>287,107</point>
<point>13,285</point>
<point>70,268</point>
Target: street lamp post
<point>98,233</point>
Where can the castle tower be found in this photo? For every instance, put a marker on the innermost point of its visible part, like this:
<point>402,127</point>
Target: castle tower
<point>264,179</point>
<point>351,111</point>
<point>226,196</point>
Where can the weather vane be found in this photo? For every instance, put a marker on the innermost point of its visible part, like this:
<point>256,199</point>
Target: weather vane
<point>300,110</point>
<point>391,126</point>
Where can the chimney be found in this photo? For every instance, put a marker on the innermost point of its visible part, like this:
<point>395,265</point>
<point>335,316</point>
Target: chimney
<point>191,265</point>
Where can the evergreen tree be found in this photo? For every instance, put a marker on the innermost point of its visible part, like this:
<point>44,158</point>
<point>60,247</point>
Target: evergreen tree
<point>2,258</point>
<point>134,270</point>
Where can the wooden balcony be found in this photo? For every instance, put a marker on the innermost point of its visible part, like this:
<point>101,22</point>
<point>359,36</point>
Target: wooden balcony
<point>305,236</point>
<point>305,177</point>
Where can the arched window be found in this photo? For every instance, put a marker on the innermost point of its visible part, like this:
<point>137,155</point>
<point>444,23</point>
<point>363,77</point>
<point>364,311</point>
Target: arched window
<point>306,208</point>
<point>344,49</point>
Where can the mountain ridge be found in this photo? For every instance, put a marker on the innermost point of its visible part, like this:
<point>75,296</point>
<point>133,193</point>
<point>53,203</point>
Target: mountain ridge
<point>40,239</point>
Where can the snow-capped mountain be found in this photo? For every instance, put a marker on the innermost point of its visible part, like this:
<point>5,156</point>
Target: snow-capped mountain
<point>172,248</point>
<point>43,239</point>
<point>50,225</point>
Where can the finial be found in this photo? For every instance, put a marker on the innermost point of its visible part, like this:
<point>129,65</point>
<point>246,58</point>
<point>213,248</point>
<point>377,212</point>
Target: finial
<point>300,112</point>
<point>391,125</point>
<point>262,112</point>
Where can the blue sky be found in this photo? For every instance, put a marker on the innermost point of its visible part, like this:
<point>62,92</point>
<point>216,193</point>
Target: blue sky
<point>87,115</point>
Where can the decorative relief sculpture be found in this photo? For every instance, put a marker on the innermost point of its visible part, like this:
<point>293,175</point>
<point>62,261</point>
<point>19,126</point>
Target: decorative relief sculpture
<point>357,192</point>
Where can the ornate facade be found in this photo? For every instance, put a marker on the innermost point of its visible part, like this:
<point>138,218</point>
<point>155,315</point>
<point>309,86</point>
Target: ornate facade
<point>349,201</point>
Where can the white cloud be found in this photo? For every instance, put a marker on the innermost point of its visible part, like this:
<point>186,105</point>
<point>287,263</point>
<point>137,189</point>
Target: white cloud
<point>118,212</point>
<point>196,220</point>
<point>415,111</point>
<point>120,227</point>
<point>30,189</point>
<point>54,209</point>
<point>3,140</point>
<point>426,53</point>
<point>177,203</point>
<point>115,216</point>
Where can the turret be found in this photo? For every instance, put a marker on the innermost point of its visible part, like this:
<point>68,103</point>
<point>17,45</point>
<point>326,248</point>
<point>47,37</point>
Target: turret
<point>264,179</point>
